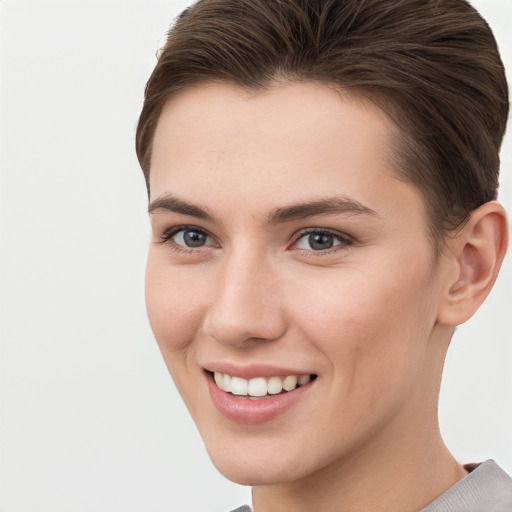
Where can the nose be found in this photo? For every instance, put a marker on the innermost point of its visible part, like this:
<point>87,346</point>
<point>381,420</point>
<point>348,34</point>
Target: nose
<point>246,304</point>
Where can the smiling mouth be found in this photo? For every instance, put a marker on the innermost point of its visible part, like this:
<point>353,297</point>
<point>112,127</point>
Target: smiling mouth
<point>259,388</point>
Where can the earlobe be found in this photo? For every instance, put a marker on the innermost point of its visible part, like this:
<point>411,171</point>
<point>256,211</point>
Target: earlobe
<point>478,249</point>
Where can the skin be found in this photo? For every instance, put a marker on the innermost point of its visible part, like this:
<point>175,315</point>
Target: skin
<point>372,316</point>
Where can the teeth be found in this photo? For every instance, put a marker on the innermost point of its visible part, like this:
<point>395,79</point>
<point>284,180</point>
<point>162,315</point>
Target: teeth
<point>239,386</point>
<point>258,386</point>
<point>290,382</point>
<point>219,379</point>
<point>304,380</point>
<point>226,384</point>
<point>274,385</point>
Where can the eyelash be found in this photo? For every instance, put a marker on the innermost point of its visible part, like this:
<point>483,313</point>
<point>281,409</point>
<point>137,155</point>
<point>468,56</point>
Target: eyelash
<point>166,238</point>
<point>345,240</point>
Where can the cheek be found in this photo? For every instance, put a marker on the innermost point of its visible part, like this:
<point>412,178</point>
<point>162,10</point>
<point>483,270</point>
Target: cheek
<point>174,306</point>
<point>371,326</point>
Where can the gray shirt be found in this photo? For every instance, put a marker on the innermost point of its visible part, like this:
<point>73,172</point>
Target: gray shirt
<point>487,488</point>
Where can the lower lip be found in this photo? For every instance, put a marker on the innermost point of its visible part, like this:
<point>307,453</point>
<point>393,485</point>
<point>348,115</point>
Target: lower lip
<point>252,412</point>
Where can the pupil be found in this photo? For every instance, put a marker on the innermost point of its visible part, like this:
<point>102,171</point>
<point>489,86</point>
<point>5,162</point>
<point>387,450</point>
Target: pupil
<point>194,238</point>
<point>319,241</point>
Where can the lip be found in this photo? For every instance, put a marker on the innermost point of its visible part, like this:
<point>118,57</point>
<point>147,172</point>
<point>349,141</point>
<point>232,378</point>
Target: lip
<point>252,412</point>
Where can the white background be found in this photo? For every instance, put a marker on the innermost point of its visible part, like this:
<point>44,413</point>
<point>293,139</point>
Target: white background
<point>90,420</point>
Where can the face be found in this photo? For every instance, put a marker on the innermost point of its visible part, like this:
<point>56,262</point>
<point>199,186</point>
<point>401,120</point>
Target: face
<point>289,283</point>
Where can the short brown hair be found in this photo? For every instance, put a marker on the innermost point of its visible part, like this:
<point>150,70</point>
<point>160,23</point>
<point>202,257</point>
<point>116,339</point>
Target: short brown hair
<point>432,65</point>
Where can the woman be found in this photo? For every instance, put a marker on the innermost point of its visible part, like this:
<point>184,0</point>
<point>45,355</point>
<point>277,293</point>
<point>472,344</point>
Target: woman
<point>322,179</point>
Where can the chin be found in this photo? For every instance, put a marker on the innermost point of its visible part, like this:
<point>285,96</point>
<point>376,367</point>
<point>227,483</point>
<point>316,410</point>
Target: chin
<point>262,465</point>
<point>251,473</point>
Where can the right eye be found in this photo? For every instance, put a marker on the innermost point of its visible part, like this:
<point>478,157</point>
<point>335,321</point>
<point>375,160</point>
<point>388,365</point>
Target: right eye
<point>191,238</point>
<point>187,237</point>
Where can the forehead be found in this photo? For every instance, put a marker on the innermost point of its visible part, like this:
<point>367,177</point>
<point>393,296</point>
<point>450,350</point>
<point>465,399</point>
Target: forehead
<point>287,142</point>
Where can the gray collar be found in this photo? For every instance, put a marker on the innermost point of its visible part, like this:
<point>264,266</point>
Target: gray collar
<point>487,488</point>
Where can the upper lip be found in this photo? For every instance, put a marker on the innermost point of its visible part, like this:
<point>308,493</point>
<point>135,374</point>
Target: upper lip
<point>252,371</point>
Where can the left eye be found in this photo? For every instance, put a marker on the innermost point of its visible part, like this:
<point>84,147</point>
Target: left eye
<point>320,241</point>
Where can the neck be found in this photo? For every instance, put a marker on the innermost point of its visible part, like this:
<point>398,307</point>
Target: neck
<point>399,477</point>
<point>403,467</point>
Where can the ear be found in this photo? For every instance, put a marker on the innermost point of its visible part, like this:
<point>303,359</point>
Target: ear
<point>476,254</point>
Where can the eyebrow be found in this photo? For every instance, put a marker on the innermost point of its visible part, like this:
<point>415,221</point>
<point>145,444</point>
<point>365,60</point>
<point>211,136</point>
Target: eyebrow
<point>327,206</point>
<point>173,204</point>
